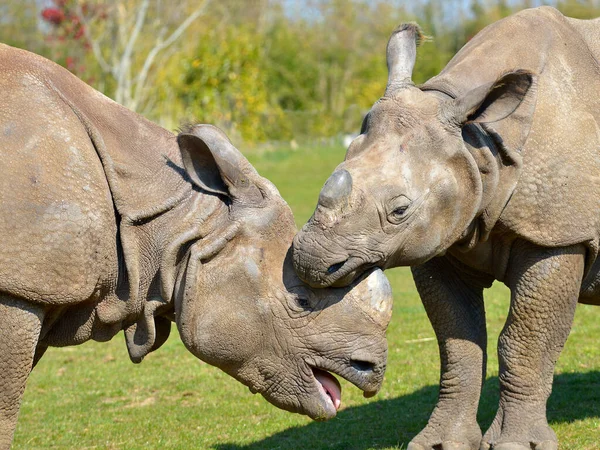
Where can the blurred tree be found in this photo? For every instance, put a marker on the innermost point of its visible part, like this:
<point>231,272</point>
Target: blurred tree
<point>66,37</point>
<point>580,9</point>
<point>262,69</point>
<point>19,25</point>
<point>326,68</point>
<point>224,83</point>
<point>125,39</point>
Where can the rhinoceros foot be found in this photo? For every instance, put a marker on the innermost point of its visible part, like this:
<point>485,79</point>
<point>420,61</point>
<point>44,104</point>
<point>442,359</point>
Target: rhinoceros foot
<point>447,445</point>
<point>546,445</point>
<point>535,435</point>
<point>463,436</point>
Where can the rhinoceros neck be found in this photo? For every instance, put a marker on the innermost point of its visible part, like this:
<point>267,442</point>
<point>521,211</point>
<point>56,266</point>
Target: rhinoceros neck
<point>530,41</point>
<point>197,218</point>
<point>499,169</point>
<point>156,252</point>
<point>156,211</point>
<point>143,168</point>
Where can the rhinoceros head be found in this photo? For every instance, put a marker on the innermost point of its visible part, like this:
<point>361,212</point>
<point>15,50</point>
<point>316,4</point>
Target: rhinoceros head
<point>241,307</point>
<point>408,187</point>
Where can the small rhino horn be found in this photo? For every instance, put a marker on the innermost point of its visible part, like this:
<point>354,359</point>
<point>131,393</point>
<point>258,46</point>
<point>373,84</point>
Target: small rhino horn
<point>381,299</point>
<point>401,55</point>
<point>337,189</point>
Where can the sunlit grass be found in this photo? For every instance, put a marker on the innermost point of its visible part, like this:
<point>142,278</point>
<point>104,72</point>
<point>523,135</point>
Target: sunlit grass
<point>92,396</point>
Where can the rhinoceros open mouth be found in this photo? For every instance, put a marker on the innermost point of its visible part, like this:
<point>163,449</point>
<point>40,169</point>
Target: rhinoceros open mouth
<point>330,388</point>
<point>362,374</point>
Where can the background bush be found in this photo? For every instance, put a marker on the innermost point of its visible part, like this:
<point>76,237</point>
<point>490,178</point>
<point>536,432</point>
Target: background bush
<point>264,70</point>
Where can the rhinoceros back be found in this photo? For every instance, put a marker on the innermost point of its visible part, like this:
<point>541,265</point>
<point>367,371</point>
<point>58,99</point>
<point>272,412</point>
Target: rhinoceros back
<point>57,218</point>
<point>80,173</point>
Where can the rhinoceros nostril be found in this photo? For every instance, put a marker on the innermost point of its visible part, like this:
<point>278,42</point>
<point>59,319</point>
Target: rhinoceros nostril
<point>362,366</point>
<point>335,267</point>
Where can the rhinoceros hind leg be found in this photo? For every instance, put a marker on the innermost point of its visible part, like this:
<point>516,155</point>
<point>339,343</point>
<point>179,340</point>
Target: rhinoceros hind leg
<point>20,325</point>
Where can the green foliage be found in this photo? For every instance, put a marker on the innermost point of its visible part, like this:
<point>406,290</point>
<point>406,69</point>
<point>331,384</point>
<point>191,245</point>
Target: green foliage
<point>327,73</point>
<point>266,70</point>
<point>19,25</point>
<point>224,83</point>
<point>580,9</point>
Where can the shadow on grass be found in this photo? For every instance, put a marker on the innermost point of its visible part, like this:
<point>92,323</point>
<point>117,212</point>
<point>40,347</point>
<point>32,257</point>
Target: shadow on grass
<point>394,422</point>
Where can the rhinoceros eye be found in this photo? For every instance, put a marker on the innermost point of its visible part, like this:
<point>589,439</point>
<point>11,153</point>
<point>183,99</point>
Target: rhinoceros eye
<point>303,302</point>
<point>399,212</point>
<point>400,209</point>
<point>300,301</point>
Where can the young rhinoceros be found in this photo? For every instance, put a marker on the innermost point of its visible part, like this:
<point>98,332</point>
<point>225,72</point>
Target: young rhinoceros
<point>111,223</point>
<point>489,171</point>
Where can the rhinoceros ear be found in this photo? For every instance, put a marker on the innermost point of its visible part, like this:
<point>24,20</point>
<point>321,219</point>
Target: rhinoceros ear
<point>495,101</point>
<point>215,165</point>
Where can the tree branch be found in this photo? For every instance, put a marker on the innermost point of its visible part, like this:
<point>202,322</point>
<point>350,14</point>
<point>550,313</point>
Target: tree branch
<point>161,45</point>
<point>125,63</point>
<point>93,43</point>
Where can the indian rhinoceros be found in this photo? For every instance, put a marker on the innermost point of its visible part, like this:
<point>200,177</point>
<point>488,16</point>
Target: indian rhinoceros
<point>488,171</point>
<point>110,223</point>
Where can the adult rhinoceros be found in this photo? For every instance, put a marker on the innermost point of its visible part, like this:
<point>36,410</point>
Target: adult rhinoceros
<point>489,171</point>
<point>112,223</point>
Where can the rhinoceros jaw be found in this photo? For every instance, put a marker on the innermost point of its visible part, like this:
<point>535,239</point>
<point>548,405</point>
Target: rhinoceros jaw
<point>330,387</point>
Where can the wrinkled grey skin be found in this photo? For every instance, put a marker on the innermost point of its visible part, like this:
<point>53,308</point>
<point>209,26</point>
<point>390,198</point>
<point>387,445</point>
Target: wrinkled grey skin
<point>111,223</point>
<point>489,171</point>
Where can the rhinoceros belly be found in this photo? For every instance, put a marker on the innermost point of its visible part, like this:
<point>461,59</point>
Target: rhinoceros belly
<point>57,221</point>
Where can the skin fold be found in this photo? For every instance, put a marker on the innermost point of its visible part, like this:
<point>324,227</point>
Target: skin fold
<point>488,171</point>
<point>112,223</point>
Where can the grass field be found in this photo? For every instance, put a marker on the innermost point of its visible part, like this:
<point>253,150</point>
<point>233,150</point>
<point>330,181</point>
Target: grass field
<point>93,397</point>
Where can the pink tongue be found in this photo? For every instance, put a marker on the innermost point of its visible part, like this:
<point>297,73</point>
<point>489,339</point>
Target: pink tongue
<point>331,385</point>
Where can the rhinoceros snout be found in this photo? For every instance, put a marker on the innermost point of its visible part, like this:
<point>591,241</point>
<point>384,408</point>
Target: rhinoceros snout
<point>338,271</point>
<point>309,267</point>
<point>337,266</point>
<point>363,366</point>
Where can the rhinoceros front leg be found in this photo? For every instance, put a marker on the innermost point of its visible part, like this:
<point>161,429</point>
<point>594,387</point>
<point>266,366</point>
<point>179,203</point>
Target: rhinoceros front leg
<point>454,304</point>
<point>20,325</point>
<point>545,285</point>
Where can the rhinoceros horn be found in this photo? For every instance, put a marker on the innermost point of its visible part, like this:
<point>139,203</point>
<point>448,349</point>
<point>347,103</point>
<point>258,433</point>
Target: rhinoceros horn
<point>381,304</point>
<point>336,192</point>
<point>401,55</point>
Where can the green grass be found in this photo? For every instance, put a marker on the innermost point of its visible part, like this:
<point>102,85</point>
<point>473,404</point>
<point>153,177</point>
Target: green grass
<point>91,396</point>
